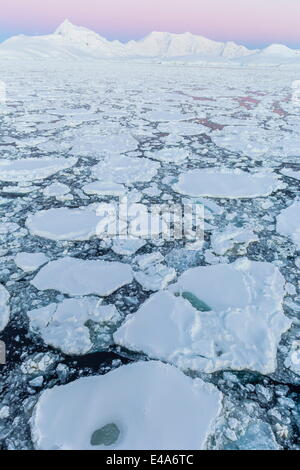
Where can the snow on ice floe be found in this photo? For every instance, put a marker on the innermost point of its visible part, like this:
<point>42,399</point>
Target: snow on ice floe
<point>152,274</point>
<point>127,170</point>
<point>127,246</point>
<point>182,129</point>
<point>64,325</point>
<point>58,190</point>
<point>225,240</point>
<point>225,183</point>
<point>32,169</point>
<point>101,145</point>
<point>227,316</point>
<point>29,262</point>
<point>137,406</point>
<point>104,188</point>
<point>288,223</point>
<point>169,155</point>
<point>65,224</point>
<point>75,276</point>
<point>165,116</point>
<point>4,307</point>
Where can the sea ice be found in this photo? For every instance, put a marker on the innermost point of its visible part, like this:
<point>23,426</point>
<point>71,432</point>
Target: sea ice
<point>75,276</point>
<point>4,307</point>
<point>65,224</point>
<point>127,170</point>
<point>127,246</point>
<point>100,145</point>
<point>227,183</point>
<point>63,325</point>
<point>103,188</point>
<point>226,316</point>
<point>288,223</point>
<point>291,173</point>
<point>293,359</point>
<point>56,190</point>
<point>169,155</point>
<point>32,169</point>
<point>137,406</point>
<point>29,262</point>
<point>223,241</point>
<point>258,436</point>
<point>152,274</point>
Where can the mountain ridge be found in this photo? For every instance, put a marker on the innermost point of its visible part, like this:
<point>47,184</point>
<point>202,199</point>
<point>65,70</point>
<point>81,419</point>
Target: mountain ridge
<point>71,41</point>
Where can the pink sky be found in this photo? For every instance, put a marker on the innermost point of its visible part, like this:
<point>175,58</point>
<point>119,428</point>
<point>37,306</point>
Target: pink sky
<point>252,22</point>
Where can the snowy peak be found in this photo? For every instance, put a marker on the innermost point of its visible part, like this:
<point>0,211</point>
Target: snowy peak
<point>161,44</point>
<point>78,34</point>
<point>280,49</point>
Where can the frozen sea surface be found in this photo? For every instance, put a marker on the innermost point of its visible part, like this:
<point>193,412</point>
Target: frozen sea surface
<point>222,315</point>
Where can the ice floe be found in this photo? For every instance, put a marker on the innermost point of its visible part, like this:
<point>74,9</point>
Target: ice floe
<point>75,276</point>
<point>29,262</point>
<point>64,325</point>
<point>169,155</point>
<point>100,145</point>
<point>127,170</point>
<point>225,240</point>
<point>104,188</point>
<point>127,246</point>
<point>4,307</point>
<point>288,223</point>
<point>138,406</point>
<point>216,317</point>
<point>152,274</point>
<point>225,183</point>
<point>32,169</point>
<point>65,224</point>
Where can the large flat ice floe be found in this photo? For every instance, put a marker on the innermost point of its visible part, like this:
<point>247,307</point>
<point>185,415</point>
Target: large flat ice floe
<point>146,405</point>
<point>215,317</point>
<point>33,169</point>
<point>231,184</point>
<point>127,170</point>
<point>288,223</point>
<point>63,325</point>
<point>75,276</point>
<point>65,224</point>
<point>4,308</point>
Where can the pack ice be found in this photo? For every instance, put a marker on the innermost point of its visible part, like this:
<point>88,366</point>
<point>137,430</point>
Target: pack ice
<point>227,316</point>
<point>145,405</point>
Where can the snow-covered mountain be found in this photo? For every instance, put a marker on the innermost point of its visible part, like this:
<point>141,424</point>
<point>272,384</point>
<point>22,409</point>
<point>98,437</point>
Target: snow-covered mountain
<point>72,42</point>
<point>159,44</point>
<point>275,54</point>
